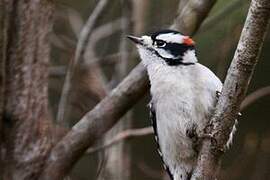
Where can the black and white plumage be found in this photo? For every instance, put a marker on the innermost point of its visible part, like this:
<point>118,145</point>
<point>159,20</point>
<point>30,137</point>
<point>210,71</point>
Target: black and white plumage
<point>183,92</point>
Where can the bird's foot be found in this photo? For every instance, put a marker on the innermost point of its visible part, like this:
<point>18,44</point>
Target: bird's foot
<point>212,139</point>
<point>192,134</point>
<point>218,93</point>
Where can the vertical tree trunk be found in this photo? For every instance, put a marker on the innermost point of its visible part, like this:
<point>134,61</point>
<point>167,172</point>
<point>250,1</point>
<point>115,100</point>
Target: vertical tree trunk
<point>26,120</point>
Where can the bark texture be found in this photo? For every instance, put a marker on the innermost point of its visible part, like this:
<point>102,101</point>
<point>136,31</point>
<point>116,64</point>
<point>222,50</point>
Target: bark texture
<point>26,121</point>
<point>234,90</point>
<point>99,120</point>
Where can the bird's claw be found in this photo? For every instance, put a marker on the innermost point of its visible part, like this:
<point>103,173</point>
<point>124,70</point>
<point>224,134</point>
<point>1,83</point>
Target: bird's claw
<point>213,140</point>
<point>218,94</point>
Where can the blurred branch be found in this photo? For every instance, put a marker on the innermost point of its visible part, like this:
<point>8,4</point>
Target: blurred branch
<point>126,134</point>
<point>139,15</point>
<point>193,12</point>
<point>182,4</point>
<point>57,71</point>
<point>100,119</point>
<point>62,42</point>
<point>218,17</point>
<point>234,90</point>
<point>75,20</point>
<point>82,42</point>
<point>254,96</point>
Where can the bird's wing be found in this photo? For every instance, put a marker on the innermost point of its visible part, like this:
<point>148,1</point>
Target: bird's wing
<point>153,119</point>
<point>154,124</point>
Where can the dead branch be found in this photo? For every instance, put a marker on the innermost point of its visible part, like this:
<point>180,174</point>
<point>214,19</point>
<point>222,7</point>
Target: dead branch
<point>234,90</point>
<point>99,120</point>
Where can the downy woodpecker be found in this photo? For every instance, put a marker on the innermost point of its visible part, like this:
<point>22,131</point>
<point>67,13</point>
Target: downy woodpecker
<point>184,94</point>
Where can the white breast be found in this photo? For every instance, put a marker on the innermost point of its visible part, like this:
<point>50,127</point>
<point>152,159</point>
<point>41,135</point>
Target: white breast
<point>182,96</point>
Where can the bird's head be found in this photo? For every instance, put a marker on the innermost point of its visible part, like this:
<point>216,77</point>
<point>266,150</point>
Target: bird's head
<point>167,46</point>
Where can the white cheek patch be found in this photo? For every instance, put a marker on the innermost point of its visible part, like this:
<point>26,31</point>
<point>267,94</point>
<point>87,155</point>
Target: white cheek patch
<point>189,57</point>
<point>171,38</point>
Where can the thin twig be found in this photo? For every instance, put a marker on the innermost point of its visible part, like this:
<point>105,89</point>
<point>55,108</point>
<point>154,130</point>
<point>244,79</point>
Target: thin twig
<point>82,42</point>
<point>99,33</point>
<point>124,135</point>
<point>256,95</point>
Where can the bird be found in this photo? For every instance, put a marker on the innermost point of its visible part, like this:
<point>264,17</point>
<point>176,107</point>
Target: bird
<point>183,97</point>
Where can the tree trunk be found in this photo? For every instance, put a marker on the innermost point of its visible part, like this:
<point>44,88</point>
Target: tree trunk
<point>26,121</point>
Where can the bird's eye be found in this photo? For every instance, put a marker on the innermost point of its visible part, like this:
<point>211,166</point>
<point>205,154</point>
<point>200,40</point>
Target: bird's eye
<point>160,43</point>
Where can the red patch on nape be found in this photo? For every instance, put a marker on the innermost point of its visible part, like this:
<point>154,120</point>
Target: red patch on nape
<point>188,41</point>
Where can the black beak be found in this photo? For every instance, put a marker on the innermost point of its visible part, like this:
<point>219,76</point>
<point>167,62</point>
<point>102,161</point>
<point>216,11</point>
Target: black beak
<point>136,40</point>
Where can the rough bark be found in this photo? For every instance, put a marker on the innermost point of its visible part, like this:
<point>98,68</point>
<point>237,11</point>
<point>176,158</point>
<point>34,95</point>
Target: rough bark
<point>96,122</point>
<point>234,90</point>
<point>26,121</point>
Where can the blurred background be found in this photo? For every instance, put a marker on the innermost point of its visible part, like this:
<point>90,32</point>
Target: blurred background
<point>109,57</point>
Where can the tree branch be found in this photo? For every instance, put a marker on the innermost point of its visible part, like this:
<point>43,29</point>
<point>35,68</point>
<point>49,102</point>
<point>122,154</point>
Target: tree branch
<point>234,90</point>
<point>100,32</point>
<point>193,12</point>
<point>124,135</point>
<point>254,96</point>
<point>99,120</point>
